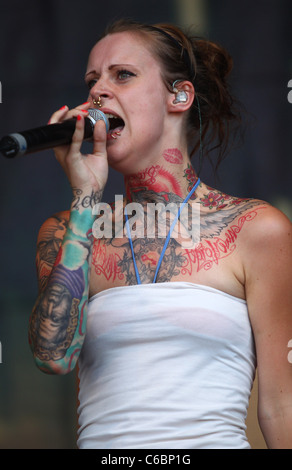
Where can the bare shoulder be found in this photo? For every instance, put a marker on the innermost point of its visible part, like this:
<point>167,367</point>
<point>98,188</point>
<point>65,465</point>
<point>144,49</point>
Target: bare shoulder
<point>259,224</point>
<point>269,225</point>
<point>266,247</point>
<point>220,212</point>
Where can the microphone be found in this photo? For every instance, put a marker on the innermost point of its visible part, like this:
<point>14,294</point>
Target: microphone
<point>50,136</point>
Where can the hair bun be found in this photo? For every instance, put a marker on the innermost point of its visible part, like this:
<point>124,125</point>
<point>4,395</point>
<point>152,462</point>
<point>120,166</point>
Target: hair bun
<point>214,57</point>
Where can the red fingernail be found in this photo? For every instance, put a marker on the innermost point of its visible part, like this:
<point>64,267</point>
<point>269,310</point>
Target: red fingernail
<point>84,110</point>
<point>63,107</point>
<point>78,117</point>
<point>86,102</point>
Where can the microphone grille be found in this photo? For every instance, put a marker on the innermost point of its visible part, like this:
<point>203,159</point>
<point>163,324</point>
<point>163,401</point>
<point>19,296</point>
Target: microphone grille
<point>98,115</point>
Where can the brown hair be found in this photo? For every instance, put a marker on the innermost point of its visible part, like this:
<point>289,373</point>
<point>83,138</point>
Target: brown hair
<point>207,65</point>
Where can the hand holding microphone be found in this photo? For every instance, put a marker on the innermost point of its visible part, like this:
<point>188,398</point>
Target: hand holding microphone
<point>88,172</point>
<point>50,136</point>
<point>65,133</point>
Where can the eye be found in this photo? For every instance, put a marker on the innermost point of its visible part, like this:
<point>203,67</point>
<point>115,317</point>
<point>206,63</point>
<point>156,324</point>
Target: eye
<point>124,74</point>
<point>91,83</point>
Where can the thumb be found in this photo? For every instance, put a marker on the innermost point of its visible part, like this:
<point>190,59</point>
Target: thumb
<point>99,139</point>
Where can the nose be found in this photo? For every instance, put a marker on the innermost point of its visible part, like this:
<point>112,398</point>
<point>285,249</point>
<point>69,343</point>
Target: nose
<point>100,90</point>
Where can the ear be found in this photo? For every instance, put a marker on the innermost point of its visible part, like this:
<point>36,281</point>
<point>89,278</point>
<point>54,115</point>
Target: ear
<point>182,97</point>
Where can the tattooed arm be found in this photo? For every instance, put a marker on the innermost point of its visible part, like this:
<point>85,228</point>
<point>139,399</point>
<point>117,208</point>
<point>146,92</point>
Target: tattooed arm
<point>58,321</point>
<point>267,260</point>
<point>57,324</point>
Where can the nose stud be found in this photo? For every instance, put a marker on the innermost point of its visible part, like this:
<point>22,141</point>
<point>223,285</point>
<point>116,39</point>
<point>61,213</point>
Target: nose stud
<point>97,102</point>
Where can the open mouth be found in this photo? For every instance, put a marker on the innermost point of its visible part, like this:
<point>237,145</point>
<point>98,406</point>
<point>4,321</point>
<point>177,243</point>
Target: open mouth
<point>116,124</point>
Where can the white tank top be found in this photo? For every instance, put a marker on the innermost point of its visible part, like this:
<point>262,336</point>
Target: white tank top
<point>165,366</point>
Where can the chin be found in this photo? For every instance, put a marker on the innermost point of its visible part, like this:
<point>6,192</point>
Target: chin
<point>123,159</point>
<point>119,160</point>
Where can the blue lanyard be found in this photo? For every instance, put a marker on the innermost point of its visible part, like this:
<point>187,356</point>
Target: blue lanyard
<point>167,238</point>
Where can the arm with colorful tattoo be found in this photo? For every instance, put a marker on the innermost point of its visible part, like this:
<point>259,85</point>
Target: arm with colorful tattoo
<point>58,320</point>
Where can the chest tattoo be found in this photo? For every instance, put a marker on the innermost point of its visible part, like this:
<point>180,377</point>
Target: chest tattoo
<point>219,232</point>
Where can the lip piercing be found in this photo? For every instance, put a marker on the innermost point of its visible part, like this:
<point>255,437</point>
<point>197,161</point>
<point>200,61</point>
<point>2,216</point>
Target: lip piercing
<point>114,135</point>
<point>98,102</point>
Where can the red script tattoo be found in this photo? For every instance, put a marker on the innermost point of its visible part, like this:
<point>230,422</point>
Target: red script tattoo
<point>211,251</point>
<point>106,264</point>
<point>155,178</point>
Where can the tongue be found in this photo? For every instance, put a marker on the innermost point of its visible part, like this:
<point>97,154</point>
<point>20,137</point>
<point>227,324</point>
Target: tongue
<point>116,129</point>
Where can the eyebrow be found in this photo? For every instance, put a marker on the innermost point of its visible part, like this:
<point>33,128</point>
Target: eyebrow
<point>110,68</point>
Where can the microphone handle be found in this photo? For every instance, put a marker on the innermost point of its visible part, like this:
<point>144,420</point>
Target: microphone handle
<point>42,138</point>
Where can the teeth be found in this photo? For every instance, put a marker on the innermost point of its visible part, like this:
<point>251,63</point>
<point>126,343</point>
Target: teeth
<point>112,124</point>
<point>111,116</point>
